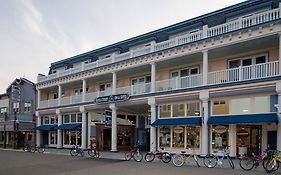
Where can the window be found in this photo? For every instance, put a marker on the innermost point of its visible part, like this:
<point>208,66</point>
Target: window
<point>247,61</point>
<point>66,118</point>
<point>165,111</point>
<point>193,109</point>
<point>132,119</point>
<point>192,136</point>
<point>219,137</point>
<point>178,137</point>
<point>104,87</point>
<point>220,107</point>
<point>46,120</point>
<point>261,104</point>
<point>66,137</point>
<point>240,106</point>
<point>141,84</point>
<point>55,95</point>
<point>16,107</point>
<point>73,118</point>
<point>180,78</point>
<point>27,107</point>
<point>178,110</point>
<point>53,137</point>
<point>79,117</point>
<point>164,137</point>
<point>53,119</point>
<point>3,111</point>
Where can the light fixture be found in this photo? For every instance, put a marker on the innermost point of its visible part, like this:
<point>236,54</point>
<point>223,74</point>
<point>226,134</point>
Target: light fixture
<point>245,110</point>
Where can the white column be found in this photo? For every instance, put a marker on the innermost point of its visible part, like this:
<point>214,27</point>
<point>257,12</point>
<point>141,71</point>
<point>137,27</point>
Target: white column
<point>112,106</point>
<point>264,137</point>
<point>84,86</point>
<point>89,128</point>
<point>153,77</point>
<point>232,140</point>
<point>279,53</point>
<point>205,67</point>
<point>152,103</point>
<point>84,126</point>
<point>59,94</point>
<point>38,133</point>
<point>204,97</point>
<point>278,90</point>
<point>114,83</point>
<point>59,131</point>
<point>38,98</point>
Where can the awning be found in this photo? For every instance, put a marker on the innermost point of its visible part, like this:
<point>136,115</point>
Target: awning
<point>46,127</point>
<point>70,126</point>
<point>240,119</point>
<point>178,121</point>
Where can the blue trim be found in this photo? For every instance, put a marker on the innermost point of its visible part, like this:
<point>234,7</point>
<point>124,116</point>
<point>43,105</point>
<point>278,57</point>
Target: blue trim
<point>70,126</point>
<point>273,102</point>
<point>178,121</point>
<point>46,127</point>
<point>241,119</point>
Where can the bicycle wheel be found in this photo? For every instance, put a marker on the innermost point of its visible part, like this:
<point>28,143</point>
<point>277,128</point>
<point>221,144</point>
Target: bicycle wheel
<point>210,161</point>
<point>149,157</point>
<point>166,157</point>
<point>137,156</point>
<point>266,161</point>
<point>92,153</point>
<point>195,157</point>
<point>271,165</point>
<point>74,152</point>
<point>81,152</point>
<point>246,163</point>
<point>32,150</point>
<point>230,162</point>
<point>40,150</point>
<point>128,155</point>
<point>97,154</point>
<point>178,160</point>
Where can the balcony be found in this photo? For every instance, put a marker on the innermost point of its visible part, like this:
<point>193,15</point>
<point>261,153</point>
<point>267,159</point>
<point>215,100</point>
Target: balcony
<point>244,73</point>
<point>206,32</point>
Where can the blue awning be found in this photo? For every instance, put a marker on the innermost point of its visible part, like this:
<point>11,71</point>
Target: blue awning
<point>178,121</point>
<point>46,127</point>
<point>246,118</point>
<point>70,126</point>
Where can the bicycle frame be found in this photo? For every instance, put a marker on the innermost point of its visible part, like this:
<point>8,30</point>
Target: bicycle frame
<point>221,158</point>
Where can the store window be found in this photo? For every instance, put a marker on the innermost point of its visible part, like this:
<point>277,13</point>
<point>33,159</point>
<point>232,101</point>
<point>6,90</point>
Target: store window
<point>178,110</point>
<point>132,119</point>
<point>192,136</point>
<point>53,137</point>
<point>165,136</point>
<point>165,111</point>
<point>261,104</point>
<point>219,137</point>
<point>178,137</point>
<point>66,137</point>
<point>220,107</point>
<point>124,137</point>
<point>193,109</point>
<point>240,106</point>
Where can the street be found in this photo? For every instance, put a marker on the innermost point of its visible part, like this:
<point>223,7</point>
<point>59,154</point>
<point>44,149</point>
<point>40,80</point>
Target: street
<point>23,163</point>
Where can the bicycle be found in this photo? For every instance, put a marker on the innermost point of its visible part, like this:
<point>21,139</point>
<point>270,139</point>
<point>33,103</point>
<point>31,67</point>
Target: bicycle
<point>135,154</point>
<point>273,162</point>
<point>210,161</point>
<point>75,150</point>
<point>39,149</point>
<point>248,162</point>
<point>93,152</point>
<point>162,155</point>
<point>27,148</point>
<point>180,159</point>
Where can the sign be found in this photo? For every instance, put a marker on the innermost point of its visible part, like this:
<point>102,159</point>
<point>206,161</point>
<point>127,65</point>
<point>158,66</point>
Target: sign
<point>112,98</point>
<point>149,117</point>
<point>108,118</point>
<point>178,129</point>
<point>220,129</point>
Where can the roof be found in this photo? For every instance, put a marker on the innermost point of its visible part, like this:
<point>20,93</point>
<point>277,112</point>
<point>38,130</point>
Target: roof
<point>19,80</point>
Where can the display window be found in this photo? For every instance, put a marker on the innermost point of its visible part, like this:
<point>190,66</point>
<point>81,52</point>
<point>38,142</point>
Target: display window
<point>219,137</point>
<point>165,136</point>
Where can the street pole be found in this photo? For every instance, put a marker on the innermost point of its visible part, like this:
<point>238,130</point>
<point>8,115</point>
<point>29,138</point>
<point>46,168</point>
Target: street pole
<point>15,134</point>
<point>5,138</point>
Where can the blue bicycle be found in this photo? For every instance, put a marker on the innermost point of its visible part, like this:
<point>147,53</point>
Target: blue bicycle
<point>210,161</point>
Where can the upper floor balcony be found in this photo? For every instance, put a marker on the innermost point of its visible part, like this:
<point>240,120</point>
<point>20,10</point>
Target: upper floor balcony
<point>238,74</point>
<point>204,33</point>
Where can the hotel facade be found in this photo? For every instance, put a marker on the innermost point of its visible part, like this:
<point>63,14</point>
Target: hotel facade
<point>204,83</point>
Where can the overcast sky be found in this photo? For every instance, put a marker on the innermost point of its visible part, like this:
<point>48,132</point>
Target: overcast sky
<point>35,33</point>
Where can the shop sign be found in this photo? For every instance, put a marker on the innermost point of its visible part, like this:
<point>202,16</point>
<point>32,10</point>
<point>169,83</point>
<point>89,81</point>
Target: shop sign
<point>112,98</point>
<point>108,118</point>
<point>220,129</point>
<point>178,129</point>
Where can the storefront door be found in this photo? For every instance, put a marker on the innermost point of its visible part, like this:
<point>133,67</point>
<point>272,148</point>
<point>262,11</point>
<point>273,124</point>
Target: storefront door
<point>272,140</point>
<point>107,139</point>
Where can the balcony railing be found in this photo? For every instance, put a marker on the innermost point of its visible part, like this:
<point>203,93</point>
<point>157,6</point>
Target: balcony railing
<point>231,26</point>
<point>252,72</point>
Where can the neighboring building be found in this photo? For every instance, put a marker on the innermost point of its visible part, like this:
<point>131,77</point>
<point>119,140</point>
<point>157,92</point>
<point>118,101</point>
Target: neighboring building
<point>206,83</point>
<point>17,118</point>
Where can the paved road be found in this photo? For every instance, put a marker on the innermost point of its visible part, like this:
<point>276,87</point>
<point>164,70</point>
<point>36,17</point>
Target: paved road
<point>22,163</point>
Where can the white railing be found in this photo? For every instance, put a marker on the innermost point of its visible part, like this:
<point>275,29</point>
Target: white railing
<point>244,73</point>
<point>106,92</point>
<point>140,88</point>
<point>48,103</point>
<point>124,90</point>
<point>91,96</point>
<point>240,23</point>
<point>71,99</point>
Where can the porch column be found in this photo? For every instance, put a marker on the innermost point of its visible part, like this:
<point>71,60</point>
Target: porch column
<point>153,77</point>
<point>38,98</point>
<point>114,83</point>
<point>113,108</point>
<point>89,128</point>
<point>59,139</point>
<point>232,140</point>
<point>84,86</point>
<point>59,94</point>
<point>278,90</point>
<point>84,126</point>
<point>152,103</point>
<point>205,67</point>
<point>38,133</point>
<point>279,53</point>
<point>204,97</point>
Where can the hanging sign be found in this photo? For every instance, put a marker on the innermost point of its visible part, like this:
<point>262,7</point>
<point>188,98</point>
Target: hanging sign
<point>112,98</point>
<point>108,118</point>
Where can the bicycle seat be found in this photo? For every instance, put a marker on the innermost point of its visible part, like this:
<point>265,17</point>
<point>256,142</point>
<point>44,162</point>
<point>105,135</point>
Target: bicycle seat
<point>183,152</point>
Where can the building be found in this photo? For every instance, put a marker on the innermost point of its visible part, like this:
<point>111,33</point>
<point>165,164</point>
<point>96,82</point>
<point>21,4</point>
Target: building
<point>204,83</point>
<point>17,117</point>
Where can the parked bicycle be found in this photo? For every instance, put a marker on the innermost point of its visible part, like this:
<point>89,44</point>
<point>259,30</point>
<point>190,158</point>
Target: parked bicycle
<point>93,152</point>
<point>210,161</point>
<point>273,162</point>
<point>75,150</point>
<point>248,162</point>
<point>162,155</point>
<point>27,148</point>
<point>39,149</point>
<point>135,154</point>
<point>180,159</point>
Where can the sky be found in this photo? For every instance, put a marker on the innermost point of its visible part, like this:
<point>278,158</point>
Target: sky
<point>35,33</point>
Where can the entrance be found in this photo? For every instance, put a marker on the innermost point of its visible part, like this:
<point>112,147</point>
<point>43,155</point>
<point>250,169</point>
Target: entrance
<point>107,139</point>
<point>272,140</point>
<point>249,139</point>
